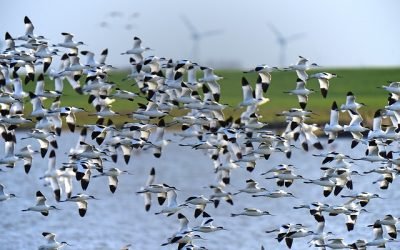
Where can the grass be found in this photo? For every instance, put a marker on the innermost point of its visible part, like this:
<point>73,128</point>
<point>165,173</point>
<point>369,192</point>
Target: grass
<point>363,82</point>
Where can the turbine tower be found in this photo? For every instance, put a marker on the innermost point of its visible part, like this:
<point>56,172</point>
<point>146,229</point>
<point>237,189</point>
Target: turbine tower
<point>196,36</point>
<point>283,42</point>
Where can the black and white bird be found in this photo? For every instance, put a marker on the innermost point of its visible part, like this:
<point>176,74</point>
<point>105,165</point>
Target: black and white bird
<point>41,205</point>
<point>82,202</point>
<point>51,243</point>
<point>3,195</point>
<point>323,79</point>
<point>301,92</point>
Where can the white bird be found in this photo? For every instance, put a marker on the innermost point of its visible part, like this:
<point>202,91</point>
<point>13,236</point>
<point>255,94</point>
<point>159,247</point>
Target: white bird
<point>252,187</point>
<point>113,174</point>
<point>351,104</point>
<point>390,222</point>
<point>299,233</point>
<point>301,92</point>
<point>377,131</point>
<point>9,158</point>
<point>378,241</point>
<point>251,212</point>
<point>259,93</point>
<point>172,205</point>
<point>81,201</point>
<point>52,244</point>
<point>220,193</point>
<point>137,50</point>
<point>323,79</point>
<point>68,42</point>
<point>264,73</point>
<point>29,31</point>
<point>363,197</point>
<point>333,128</point>
<point>41,205</point>
<point>301,67</point>
<point>326,182</point>
<point>320,236</point>
<point>182,239</point>
<point>248,98</point>
<point>52,174</point>
<point>207,225</point>
<point>334,243</point>
<point>394,88</point>
<point>4,196</point>
<point>355,128</point>
<point>147,193</point>
<point>200,202</point>
<point>209,75</point>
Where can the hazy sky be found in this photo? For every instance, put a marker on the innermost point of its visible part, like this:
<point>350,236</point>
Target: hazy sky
<point>336,33</point>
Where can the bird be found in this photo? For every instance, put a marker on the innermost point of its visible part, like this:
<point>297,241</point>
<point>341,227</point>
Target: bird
<point>4,196</point>
<point>251,212</point>
<point>195,98</point>
<point>285,178</point>
<point>323,79</point>
<point>136,50</point>
<point>301,67</point>
<point>252,187</point>
<point>220,193</point>
<point>351,104</point>
<point>41,205</point>
<point>326,182</point>
<point>182,239</point>
<point>126,247</point>
<point>172,205</point>
<point>264,72</point>
<point>159,189</point>
<point>248,99</point>
<point>113,174</point>
<point>334,243</point>
<point>29,31</point>
<point>363,197</point>
<point>200,202</point>
<point>379,240</point>
<point>320,236</point>
<point>390,221</point>
<point>356,128</point>
<point>27,154</point>
<point>333,128</point>
<point>52,175</point>
<point>68,42</point>
<point>52,244</point>
<point>293,234</point>
<point>82,202</point>
<point>301,92</point>
<point>207,225</point>
<point>275,194</point>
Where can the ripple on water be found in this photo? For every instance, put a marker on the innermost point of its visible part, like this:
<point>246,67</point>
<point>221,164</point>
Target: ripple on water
<point>118,219</point>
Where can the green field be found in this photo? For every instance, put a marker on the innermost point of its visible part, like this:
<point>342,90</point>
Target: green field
<point>362,82</point>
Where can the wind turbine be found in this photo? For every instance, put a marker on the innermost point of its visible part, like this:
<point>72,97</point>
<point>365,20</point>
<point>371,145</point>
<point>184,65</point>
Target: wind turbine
<point>283,42</point>
<point>196,36</point>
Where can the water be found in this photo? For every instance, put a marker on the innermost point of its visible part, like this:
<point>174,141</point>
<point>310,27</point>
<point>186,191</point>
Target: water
<point>118,219</point>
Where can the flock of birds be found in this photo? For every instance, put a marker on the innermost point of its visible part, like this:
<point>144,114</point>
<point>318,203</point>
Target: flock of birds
<point>232,145</point>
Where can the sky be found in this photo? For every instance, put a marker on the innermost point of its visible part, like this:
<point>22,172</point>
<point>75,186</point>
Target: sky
<point>341,33</point>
